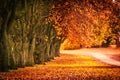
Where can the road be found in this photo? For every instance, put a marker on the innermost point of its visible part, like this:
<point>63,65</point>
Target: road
<point>103,57</point>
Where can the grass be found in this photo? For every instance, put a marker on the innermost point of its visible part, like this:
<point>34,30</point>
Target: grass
<point>66,67</point>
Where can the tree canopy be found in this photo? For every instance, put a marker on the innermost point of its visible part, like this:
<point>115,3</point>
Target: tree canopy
<point>87,23</point>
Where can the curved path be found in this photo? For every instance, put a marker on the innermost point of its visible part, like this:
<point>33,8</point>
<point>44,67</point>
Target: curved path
<point>79,64</point>
<point>95,54</point>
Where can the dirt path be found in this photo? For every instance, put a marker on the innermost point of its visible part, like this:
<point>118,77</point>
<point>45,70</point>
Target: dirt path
<point>69,67</point>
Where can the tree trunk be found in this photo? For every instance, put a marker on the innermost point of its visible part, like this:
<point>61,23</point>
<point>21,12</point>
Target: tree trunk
<point>4,43</point>
<point>4,51</point>
<point>31,51</point>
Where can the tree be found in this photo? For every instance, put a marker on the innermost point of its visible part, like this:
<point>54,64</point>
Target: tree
<point>85,23</point>
<point>26,37</point>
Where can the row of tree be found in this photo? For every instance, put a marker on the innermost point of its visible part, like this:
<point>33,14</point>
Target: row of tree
<point>26,37</point>
<point>31,31</point>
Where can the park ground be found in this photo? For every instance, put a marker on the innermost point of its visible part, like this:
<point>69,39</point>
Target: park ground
<point>80,64</point>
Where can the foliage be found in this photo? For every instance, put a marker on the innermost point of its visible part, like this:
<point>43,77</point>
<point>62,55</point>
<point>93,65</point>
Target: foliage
<point>31,31</point>
<point>86,23</point>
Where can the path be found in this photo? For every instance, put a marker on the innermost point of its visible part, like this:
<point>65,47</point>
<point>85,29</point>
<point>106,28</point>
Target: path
<point>103,57</point>
<point>69,66</point>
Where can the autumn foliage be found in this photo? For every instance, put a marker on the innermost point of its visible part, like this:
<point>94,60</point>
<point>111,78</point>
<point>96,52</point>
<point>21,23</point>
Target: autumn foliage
<point>86,23</point>
<point>31,31</point>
